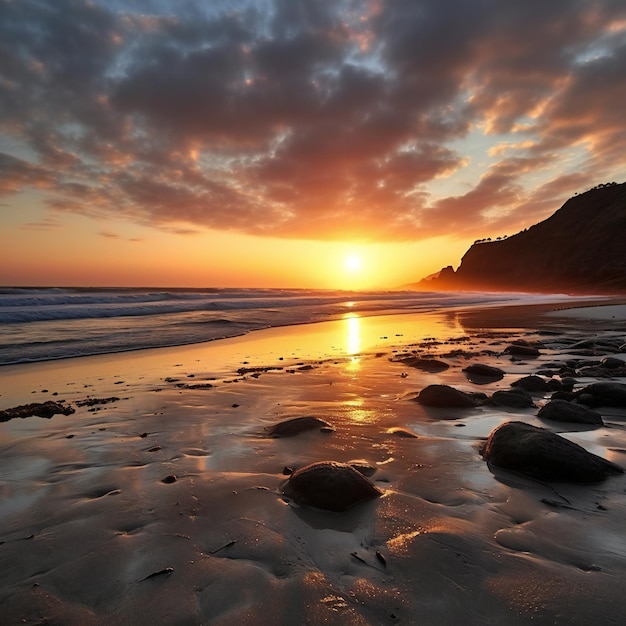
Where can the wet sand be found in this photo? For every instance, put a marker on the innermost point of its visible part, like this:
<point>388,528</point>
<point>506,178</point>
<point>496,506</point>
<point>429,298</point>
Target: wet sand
<point>92,535</point>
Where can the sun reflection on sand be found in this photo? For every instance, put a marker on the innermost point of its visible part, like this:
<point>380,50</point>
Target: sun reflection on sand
<point>353,341</point>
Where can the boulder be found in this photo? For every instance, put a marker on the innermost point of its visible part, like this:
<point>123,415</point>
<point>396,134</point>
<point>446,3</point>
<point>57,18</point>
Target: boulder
<point>444,396</point>
<point>329,485</point>
<point>363,467</point>
<point>297,425</point>
<point>516,349</point>
<point>532,384</point>
<point>481,373</point>
<point>563,411</point>
<point>516,398</point>
<point>603,394</point>
<point>612,363</point>
<point>544,455</point>
<point>426,365</point>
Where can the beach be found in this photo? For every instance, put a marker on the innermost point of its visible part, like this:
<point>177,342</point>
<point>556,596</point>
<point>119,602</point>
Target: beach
<point>161,500</point>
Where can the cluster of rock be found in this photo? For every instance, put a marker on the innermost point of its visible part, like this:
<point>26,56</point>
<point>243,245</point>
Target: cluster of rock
<point>514,446</point>
<point>538,452</point>
<point>38,409</point>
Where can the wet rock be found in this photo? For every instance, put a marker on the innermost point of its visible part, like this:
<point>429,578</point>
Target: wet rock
<point>519,349</point>
<point>479,373</point>
<point>563,411</point>
<point>606,344</point>
<point>444,396</point>
<point>611,362</point>
<point>97,401</point>
<point>38,409</point>
<point>544,455</point>
<point>563,395</point>
<point>532,384</point>
<point>297,425</point>
<point>516,398</point>
<point>363,467</point>
<point>329,485</point>
<point>426,365</point>
<point>603,394</point>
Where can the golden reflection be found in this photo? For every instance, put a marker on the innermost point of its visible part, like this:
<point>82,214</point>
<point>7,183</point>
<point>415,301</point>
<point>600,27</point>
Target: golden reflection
<point>354,334</point>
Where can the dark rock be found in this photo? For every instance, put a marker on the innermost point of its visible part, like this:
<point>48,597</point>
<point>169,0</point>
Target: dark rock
<point>522,350</point>
<point>479,373</point>
<point>606,344</point>
<point>532,384</point>
<point>38,409</point>
<point>544,455</point>
<point>426,365</point>
<point>563,411</point>
<point>97,401</point>
<point>329,485</point>
<point>603,394</point>
<point>610,362</point>
<point>567,383</point>
<point>169,479</point>
<point>546,372</point>
<point>297,425</point>
<point>568,396</point>
<point>445,396</point>
<point>602,372</point>
<point>363,467</point>
<point>516,398</point>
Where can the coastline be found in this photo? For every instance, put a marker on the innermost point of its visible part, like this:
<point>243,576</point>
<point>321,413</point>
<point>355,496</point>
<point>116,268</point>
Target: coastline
<point>90,531</point>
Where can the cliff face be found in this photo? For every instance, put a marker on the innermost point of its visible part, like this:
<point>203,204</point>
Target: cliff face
<point>580,249</point>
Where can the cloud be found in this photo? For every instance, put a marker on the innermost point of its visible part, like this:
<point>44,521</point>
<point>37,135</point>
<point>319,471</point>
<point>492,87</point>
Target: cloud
<point>311,120</point>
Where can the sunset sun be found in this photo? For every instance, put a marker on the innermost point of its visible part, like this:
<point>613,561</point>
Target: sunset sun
<point>353,263</point>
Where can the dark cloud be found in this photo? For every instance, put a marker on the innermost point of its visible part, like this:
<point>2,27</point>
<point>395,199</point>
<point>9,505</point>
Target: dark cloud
<point>311,119</point>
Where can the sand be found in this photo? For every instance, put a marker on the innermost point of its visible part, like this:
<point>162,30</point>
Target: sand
<point>92,535</point>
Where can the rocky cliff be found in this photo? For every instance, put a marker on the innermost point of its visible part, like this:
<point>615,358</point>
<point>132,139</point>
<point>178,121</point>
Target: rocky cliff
<point>580,249</point>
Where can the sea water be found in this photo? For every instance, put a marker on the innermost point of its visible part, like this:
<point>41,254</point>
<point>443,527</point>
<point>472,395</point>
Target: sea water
<point>54,323</point>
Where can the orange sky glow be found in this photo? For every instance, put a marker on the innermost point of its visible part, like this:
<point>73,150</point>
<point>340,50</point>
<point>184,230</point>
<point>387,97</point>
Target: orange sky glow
<point>266,143</point>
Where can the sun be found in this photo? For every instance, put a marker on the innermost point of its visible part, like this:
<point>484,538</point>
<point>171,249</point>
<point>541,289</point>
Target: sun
<point>353,263</point>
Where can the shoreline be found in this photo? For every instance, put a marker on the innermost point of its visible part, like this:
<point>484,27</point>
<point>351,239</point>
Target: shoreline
<point>174,490</point>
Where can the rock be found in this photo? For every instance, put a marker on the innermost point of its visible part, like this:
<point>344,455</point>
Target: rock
<point>38,409</point>
<point>563,411</point>
<point>567,383</point>
<point>297,425</point>
<point>516,398</point>
<point>612,363</point>
<point>544,455</point>
<point>563,395</point>
<point>603,394</point>
<point>363,467</point>
<point>479,373</point>
<point>517,349</point>
<point>168,480</point>
<point>329,485</point>
<point>426,365</point>
<point>444,396</point>
<point>532,384</point>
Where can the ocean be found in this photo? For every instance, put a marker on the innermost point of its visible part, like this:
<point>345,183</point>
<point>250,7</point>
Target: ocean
<point>55,323</point>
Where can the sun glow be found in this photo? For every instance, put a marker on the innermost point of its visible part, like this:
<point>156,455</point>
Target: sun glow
<point>353,263</point>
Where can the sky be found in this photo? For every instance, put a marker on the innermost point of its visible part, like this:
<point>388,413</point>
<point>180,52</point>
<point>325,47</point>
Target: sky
<point>294,143</point>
